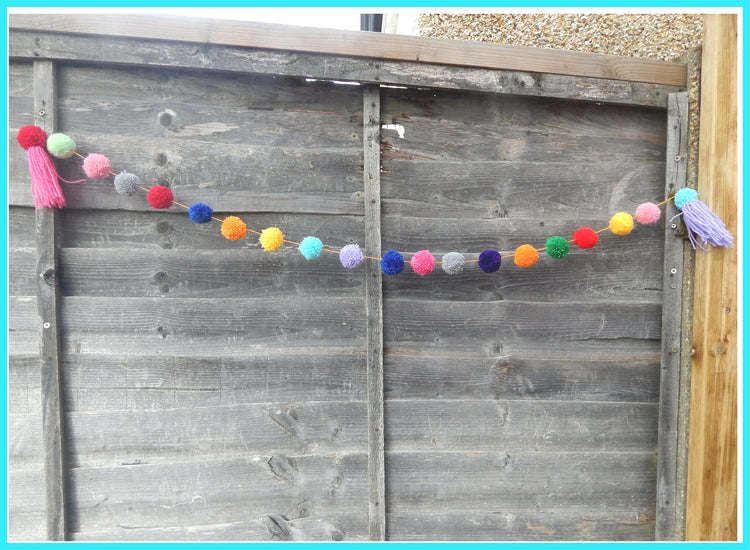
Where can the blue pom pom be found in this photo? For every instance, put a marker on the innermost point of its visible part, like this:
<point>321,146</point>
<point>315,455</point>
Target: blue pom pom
<point>392,263</point>
<point>489,261</point>
<point>310,247</point>
<point>200,213</point>
<point>684,196</point>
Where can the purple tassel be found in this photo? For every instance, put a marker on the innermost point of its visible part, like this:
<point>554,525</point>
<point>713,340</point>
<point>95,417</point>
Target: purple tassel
<point>703,226</point>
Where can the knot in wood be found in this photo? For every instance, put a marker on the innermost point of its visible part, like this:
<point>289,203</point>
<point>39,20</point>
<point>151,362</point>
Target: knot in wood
<point>48,276</point>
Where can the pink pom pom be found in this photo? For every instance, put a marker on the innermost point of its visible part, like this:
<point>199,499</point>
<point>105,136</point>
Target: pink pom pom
<point>647,213</point>
<point>96,166</point>
<point>423,262</point>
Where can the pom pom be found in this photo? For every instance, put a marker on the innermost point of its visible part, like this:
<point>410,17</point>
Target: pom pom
<point>271,239</point>
<point>31,136</point>
<point>647,213</point>
<point>557,247</point>
<point>621,223</point>
<point>392,263</point>
<point>423,262</point>
<point>489,261</point>
<point>45,187</point>
<point>200,213</point>
<point>160,197</point>
<point>350,256</point>
<point>96,166</point>
<point>585,237</point>
<point>453,263</point>
<point>310,247</point>
<point>233,228</point>
<point>126,184</point>
<point>525,255</point>
<point>684,196</point>
<point>703,226</point>
<point>61,146</point>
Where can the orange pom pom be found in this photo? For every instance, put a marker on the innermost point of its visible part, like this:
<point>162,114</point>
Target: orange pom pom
<point>525,255</point>
<point>233,228</point>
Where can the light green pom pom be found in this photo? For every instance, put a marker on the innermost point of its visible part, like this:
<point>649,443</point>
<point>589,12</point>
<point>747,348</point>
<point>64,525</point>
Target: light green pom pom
<point>60,146</point>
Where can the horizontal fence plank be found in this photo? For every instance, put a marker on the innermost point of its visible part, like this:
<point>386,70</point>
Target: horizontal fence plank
<point>376,45</point>
<point>122,51</point>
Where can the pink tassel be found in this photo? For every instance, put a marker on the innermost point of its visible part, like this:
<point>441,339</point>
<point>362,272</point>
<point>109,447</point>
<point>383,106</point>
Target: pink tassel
<point>44,177</point>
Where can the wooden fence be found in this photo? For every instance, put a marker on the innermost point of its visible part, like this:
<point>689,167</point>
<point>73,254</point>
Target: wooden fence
<point>197,388</point>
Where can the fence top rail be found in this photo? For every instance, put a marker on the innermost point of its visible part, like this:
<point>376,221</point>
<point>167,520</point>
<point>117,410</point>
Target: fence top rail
<point>371,45</point>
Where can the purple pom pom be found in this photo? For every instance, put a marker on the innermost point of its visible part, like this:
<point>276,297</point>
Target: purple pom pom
<point>350,256</point>
<point>489,261</point>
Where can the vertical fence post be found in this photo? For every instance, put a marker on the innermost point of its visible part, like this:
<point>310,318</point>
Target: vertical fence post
<point>374,308</point>
<point>47,302</point>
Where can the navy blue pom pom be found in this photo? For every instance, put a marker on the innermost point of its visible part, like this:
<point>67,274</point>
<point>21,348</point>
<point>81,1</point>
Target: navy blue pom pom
<point>392,263</point>
<point>200,213</point>
<point>489,261</point>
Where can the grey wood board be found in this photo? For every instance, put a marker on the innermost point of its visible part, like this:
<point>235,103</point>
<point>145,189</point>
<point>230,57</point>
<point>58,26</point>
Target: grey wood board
<point>23,389</point>
<point>494,425</point>
<point>518,377</point>
<point>95,382</point>
<point>26,515</point>
<point>511,524</point>
<point>435,482</point>
<point>211,490</point>
<point>113,50</point>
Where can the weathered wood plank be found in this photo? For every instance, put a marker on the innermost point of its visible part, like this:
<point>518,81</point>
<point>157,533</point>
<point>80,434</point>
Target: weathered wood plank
<point>573,482</point>
<point>101,382</point>
<point>518,377</point>
<point>208,491</point>
<point>45,105</point>
<point>511,524</point>
<point>359,44</point>
<point>672,334</point>
<point>712,466</point>
<point>26,518</point>
<point>374,312</point>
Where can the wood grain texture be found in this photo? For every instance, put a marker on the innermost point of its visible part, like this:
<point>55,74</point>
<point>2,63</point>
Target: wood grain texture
<point>281,37</point>
<point>712,458</point>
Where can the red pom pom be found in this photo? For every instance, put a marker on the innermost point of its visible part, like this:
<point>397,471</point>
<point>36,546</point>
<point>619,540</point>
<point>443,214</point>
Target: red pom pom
<point>160,197</point>
<point>29,136</point>
<point>585,237</point>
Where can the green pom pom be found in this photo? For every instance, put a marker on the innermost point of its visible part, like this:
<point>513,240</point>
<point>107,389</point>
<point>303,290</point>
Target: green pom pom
<point>60,146</point>
<point>557,247</point>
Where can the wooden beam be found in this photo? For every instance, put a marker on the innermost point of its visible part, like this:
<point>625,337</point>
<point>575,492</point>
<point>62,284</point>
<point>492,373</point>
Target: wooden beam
<point>47,301</point>
<point>361,44</point>
<point>374,311</point>
<point>712,457</point>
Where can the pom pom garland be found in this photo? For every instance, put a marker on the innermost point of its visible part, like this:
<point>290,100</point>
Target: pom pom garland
<point>621,223</point>
<point>647,213</point>
<point>557,247</point>
<point>423,262</point>
<point>585,237</point>
<point>453,263</point>
<point>61,146</point>
<point>489,261</point>
<point>703,226</point>
<point>96,166</point>
<point>160,197</point>
<point>126,184</point>
<point>200,213</point>
<point>271,239</point>
<point>233,228</point>
<point>525,255</point>
<point>351,256</point>
<point>392,263</point>
<point>310,247</point>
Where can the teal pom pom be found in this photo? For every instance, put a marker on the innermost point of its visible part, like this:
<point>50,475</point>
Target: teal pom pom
<point>310,247</point>
<point>557,247</point>
<point>684,196</point>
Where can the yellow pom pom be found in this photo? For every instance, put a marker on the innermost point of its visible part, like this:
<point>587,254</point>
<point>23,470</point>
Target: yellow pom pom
<point>271,239</point>
<point>233,228</point>
<point>621,223</point>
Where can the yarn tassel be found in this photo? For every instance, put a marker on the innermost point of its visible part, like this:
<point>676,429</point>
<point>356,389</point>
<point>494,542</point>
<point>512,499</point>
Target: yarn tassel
<point>44,177</point>
<point>703,226</point>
